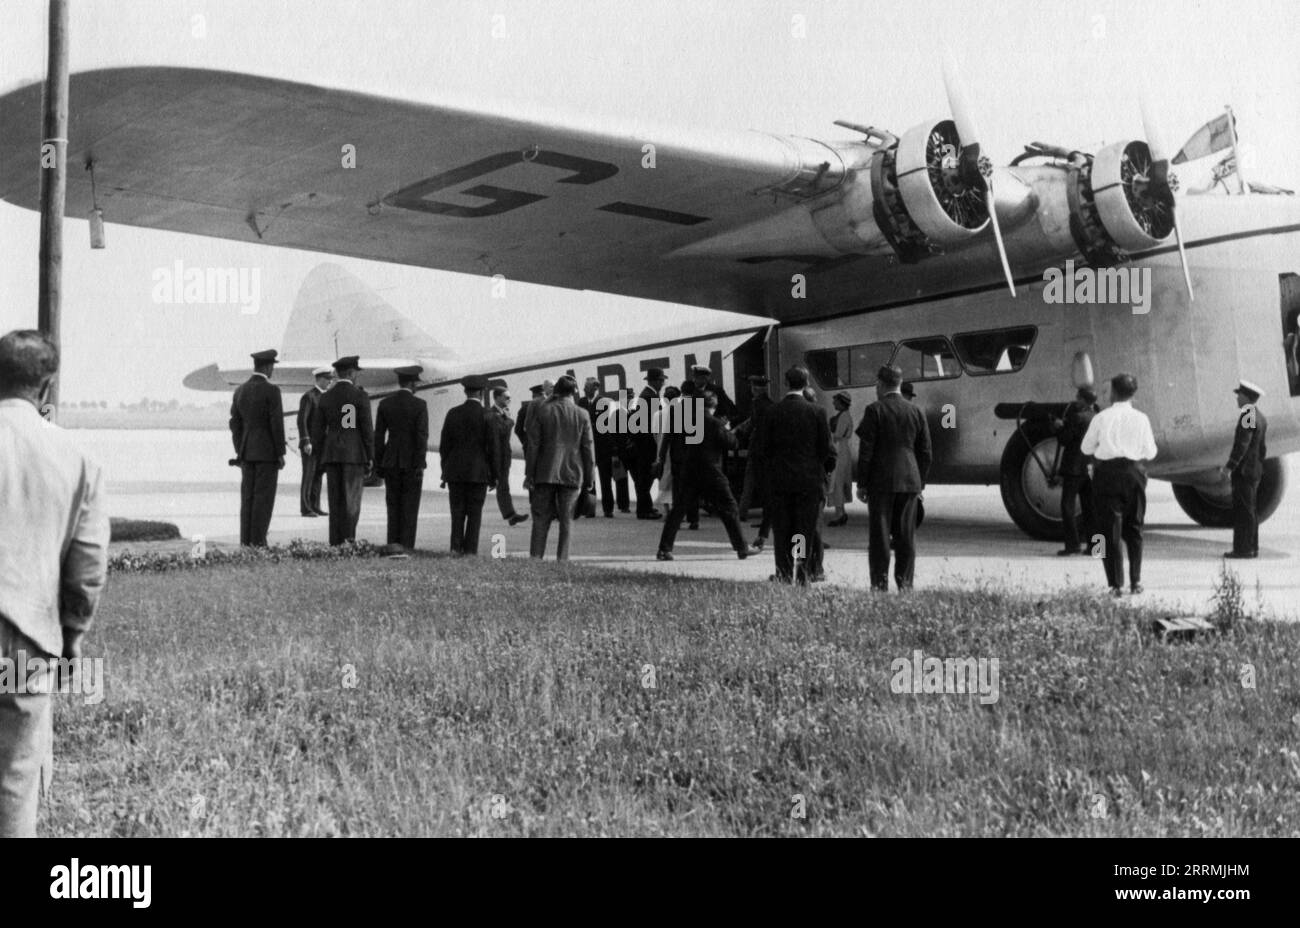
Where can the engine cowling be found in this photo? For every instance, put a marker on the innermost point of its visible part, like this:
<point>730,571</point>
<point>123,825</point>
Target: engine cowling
<point>1110,211</point>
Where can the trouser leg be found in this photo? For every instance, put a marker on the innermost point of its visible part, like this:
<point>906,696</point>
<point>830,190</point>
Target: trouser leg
<point>412,490</point>
<point>476,495</point>
<point>308,479</point>
<point>905,541</point>
<point>26,739</point>
<point>880,518</point>
<point>566,499</point>
<point>393,505</point>
<point>782,509</point>
<point>457,503</point>
<point>541,499</point>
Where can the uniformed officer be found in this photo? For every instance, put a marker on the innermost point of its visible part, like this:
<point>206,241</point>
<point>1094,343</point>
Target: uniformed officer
<point>1246,467</point>
<point>257,429</point>
<point>1076,487</point>
<point>345,437</point>
<point>401,443</point>
<point>313,475</point>
<point>704,383</point>
<point>468,451</point>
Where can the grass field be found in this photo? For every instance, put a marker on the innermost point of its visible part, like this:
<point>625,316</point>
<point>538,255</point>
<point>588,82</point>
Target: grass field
<point>478,697</point>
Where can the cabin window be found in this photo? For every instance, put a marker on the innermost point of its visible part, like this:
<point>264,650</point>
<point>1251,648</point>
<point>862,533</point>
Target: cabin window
<point>927,359</point>
<point>854,366</point>
<point>1003,351</point>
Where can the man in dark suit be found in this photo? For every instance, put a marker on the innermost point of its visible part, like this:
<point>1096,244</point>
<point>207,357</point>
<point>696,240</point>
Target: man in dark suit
<point>257,429</point>
<point>607,441</point>
<point>499,417</point>
<point>754,489</point>
<point>673,450</point>
<point>642,448</point>
<point>700,476</point>
<point>704,383</point>
<point>313,474</point>
<point>794,439</point>
<point>893,459</point>
<point>1076,487</point>
<point>1246,466</point>
<point>538,394</point>
<point>468,451</point>
<point>345,438</point>
<point>401,443</point>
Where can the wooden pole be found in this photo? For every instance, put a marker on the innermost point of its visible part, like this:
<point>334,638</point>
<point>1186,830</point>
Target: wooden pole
<point>54,179</point>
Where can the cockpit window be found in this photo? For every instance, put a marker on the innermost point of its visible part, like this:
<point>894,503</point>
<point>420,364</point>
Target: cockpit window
<point>1003,351</point>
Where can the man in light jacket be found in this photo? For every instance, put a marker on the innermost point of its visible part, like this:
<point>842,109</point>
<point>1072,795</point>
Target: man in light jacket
<point>53,562</point>
<point>559,464</point>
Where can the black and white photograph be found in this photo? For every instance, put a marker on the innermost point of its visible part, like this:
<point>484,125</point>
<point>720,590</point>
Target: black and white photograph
<point>490,418</point>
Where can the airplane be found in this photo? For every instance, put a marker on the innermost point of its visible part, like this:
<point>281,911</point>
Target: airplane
<point>336,313</point>
<point>912,248</point>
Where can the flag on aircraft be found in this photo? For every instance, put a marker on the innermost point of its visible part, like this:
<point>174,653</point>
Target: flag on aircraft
<point>1215,135</point>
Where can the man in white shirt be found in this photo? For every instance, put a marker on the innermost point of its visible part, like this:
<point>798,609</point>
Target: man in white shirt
<point>1120,441</point>
<point>53,561</point>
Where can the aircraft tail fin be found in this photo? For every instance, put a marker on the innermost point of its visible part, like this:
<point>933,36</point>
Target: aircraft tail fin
<point>336,313</point>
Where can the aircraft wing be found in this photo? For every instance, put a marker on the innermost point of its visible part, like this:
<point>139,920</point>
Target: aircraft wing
<point>531,197</point>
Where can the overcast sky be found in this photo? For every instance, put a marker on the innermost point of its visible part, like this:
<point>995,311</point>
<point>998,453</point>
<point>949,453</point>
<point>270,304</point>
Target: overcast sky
<point>1037,70</point>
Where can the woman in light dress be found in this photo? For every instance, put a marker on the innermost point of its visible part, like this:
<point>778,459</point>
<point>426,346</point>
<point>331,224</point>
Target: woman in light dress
<point>841,490</point>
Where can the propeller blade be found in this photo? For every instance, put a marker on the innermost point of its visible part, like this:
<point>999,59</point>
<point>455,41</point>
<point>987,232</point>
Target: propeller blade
<point>997,234</point>
<point>962,114</point>
<point>1182,256</point>
<point>1151,127</point>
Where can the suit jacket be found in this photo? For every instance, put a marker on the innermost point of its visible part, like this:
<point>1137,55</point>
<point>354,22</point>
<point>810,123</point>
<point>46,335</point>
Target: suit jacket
<point>501,427</point>
<point>307,409</point>
<point>54,544</point>
<point>606,442</point>
<point>749,428</point>
<point>560,446</point>
<point>401,432</point>
<point>893,447</point>
<point>521,422</point>
<point>643,445</point>
<point>468,445</point>
<point>1074,425</point>
<point>257,421</point>
<point>1248,446</point>
<point>336,444</point>
<point>794,446</point>
<point>711,451</point>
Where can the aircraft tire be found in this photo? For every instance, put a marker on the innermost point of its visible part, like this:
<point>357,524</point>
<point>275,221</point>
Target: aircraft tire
<point>1215,511</point>
<point>1023,487</point>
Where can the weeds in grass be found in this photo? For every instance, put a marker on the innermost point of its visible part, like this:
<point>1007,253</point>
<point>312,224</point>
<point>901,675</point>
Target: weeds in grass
<point>442,696</point>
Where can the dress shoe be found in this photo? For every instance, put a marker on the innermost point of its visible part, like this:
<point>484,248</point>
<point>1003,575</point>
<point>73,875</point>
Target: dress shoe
<point>836,523</point>
<point>1136,590</point>
<point>321,512</point>
<point>1066,552</point>
<point>650,515</point>
<point>624,508</point>
<point>1116,592</point>
<point>742,553</point>
<point>694,526</point>
<point>1240,555</point>
<point>757,546</point>
<point>818,577</point>
<point>664,555</point>
<point>517,518</point>
<point>609,515</point>
<point>309,515</point>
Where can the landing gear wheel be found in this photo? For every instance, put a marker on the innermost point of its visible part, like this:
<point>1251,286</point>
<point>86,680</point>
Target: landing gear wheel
<point>1032,503</point>
<point>1213,508</point>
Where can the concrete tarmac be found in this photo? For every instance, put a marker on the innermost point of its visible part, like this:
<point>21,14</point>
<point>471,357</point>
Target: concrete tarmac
<point>967,540</point>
